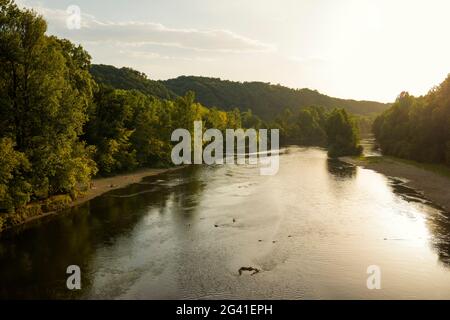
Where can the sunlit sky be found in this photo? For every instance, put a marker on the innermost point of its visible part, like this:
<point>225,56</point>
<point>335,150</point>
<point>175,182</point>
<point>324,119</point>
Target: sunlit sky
<point>361,49</point>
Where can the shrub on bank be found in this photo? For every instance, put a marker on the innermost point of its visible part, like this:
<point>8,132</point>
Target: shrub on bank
<point>56,203</point>
<point>34,209</point>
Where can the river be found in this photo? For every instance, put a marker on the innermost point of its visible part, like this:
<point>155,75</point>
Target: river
<point>312,230</point>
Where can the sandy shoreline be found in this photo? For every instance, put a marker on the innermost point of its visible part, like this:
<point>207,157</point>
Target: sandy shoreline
<point>100,186</point>
<point>435,186</point>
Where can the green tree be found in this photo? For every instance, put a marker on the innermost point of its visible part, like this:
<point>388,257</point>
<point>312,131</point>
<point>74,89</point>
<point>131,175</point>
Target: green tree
<point>45,90</point>
<point>14,189</point>
<point>110,129</point>
<point>151,137</point>
<point>417,128</point>
<point>342,134</point>
<point>311,126</point>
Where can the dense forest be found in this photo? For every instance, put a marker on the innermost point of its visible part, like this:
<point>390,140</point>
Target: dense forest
<point>315,126</point>
<point>263,102</point>
<point>417,128</point>
<point>263,99</point>
<point>127,78</point>
<point>60,126</point>
<point>266,100</point>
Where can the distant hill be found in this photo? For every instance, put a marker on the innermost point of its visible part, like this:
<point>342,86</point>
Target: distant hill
<point>127,78</point>
<point>264,99</point>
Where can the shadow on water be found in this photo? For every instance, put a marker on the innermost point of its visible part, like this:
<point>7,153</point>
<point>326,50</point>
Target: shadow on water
<point>341,170</point>
<point>438,219</point>
<point>154,230</point>
<point>439,226</point>
<point>409,194</point>
<point>33,262</point>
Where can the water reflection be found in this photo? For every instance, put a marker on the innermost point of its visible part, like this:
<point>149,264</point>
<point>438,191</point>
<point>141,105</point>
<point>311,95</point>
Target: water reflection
<point>440,228</point>
<point>311,230</point>
<point>437,218</point>
<point>370,147</point>
<point>340,169</point>
<point>33,263</point>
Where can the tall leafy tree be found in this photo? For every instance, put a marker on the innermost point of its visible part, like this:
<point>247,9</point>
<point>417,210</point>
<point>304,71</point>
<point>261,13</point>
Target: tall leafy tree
<point>417,128</point>
<point>14,189</point>
<point>45,90</point>
<point>342,134</point>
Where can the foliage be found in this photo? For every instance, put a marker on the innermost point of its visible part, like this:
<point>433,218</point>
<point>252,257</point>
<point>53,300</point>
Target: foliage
<point>59,128</point>
<point>315,126</point>
<point>365,123</point>
<point>417,128</point>
<point>45,90</point>
<point>128,79</point>
<point>14,189</point>
<point>342,134</point>
<point>130,129</point>
<point>265,100</point>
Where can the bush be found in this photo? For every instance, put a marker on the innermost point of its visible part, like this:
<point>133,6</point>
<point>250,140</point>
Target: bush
<point>56,203</point>
<point>342,135</point>
<point>20,215</point>
<point>14,189</point>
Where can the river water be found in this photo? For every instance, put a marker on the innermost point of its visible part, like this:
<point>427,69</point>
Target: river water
<point>312,230</point>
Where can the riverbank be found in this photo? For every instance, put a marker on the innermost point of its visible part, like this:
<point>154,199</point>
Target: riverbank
<point>102,185</point>
<point>432,180</point>
<point>56,204</point>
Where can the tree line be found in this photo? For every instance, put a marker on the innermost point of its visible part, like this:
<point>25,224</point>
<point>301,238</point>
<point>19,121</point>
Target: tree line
<point>59,127</point>
<point>316,126</point>
<point>264,99</point>
<point>417,128</point>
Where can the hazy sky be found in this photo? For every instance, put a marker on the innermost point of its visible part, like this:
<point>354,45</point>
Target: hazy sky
<point>362,49</point>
